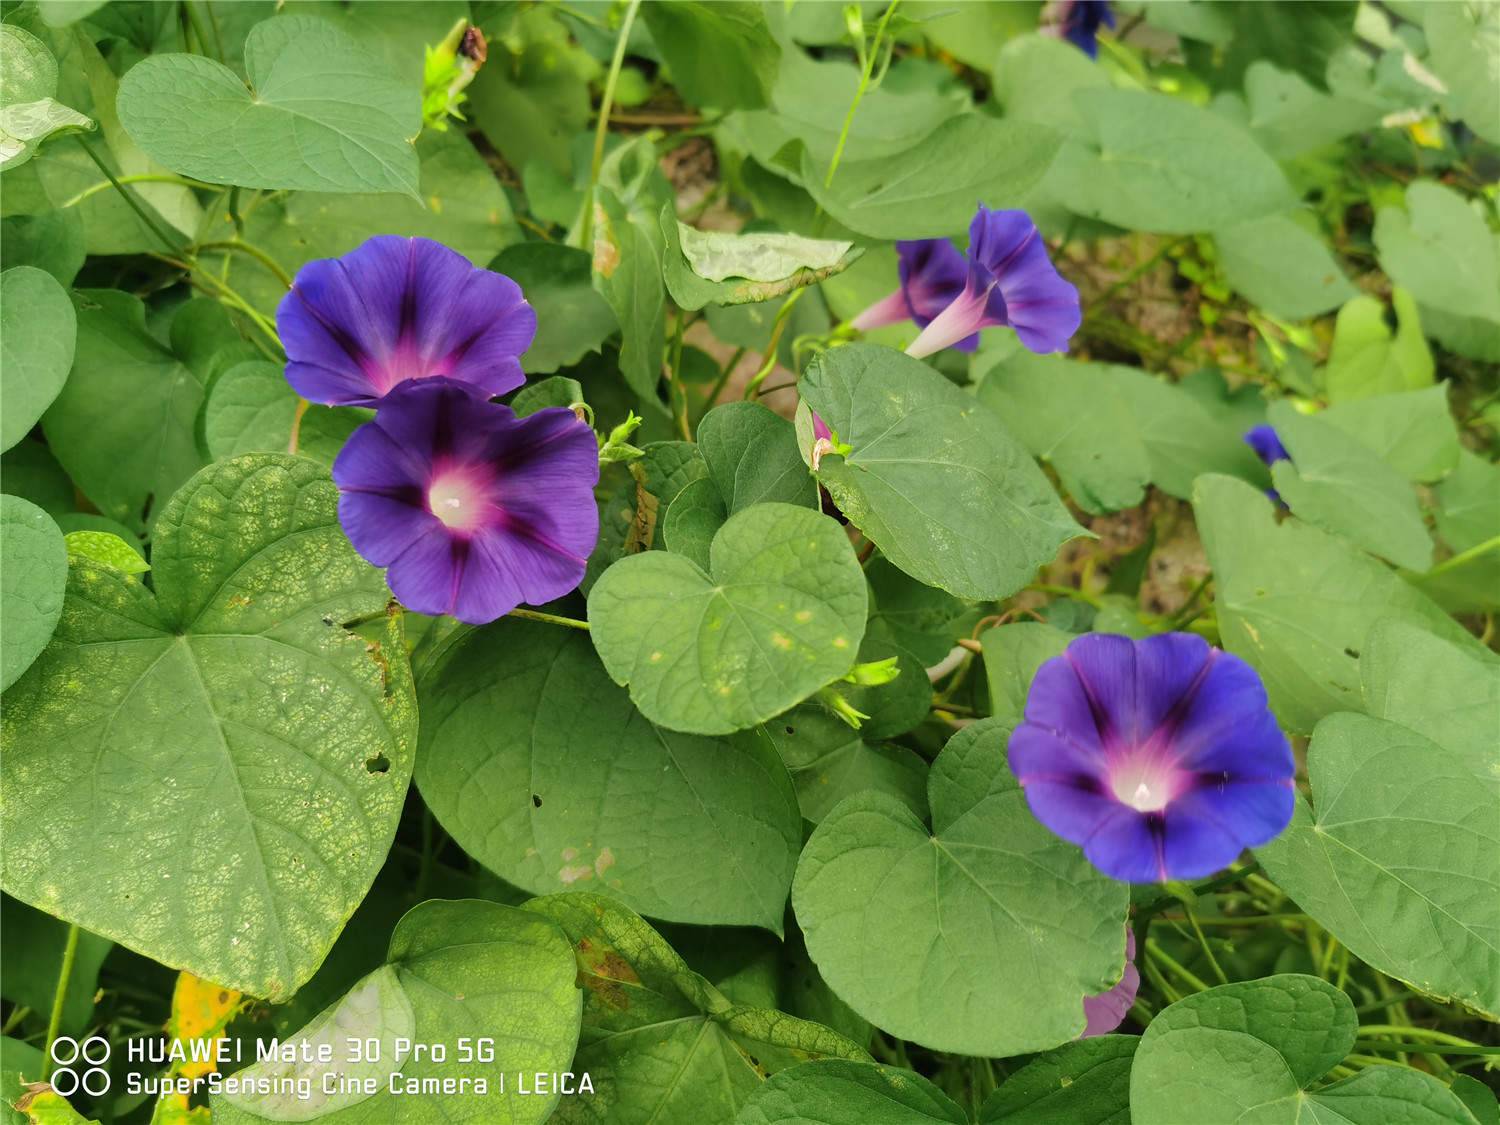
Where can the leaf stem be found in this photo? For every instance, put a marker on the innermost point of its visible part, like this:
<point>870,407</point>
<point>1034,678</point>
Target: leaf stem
<point>1415,1032</point>
<point>778,329</point>
<point>866,70</point>
<point>1427,1048</point>
<point>141,178</point>
<point>129,197</point>
<point>601,130</point>
<point>549,618</point>
<point>59,998</point>
<point>242,247</point>
<point>1179,970</point>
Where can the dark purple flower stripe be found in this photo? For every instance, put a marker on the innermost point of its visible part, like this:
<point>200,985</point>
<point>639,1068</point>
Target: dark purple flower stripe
<point>1159,757</point>
<point>395,309</point>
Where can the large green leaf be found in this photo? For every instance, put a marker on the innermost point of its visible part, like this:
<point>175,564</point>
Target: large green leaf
<point>572,319</point>
<point>1469,503</point>
<point>218,745</point>
<point>778,613</point>
<point>845,1092</point>
<point>29,114</point>
<point>1283,267</point>
<point>1407,876</point>
<point>1367,358</point>
<point>320,113</point>
<point>1440,249</point>
<point>1297,602</point>
<point>1083,1083</point>
<point>981,936</point>
<point>752,457</point>
<point>123,424</point>
<point>1463,41</point>
<point>1412,431</point>
<point>1340,484</point>
<point>1249,1051</point>
<point>467,974</point>
<point>930,190</point>
<point>1289,116</point>
<point>661,1044</point>
<point>1146,161</point>
<point>555,795</point>
<point>716,267</point>
<point>628,273</point>
<point>933,477</point>
<point>38,330</point>
<point>31,584</point>
<point>721,54</point>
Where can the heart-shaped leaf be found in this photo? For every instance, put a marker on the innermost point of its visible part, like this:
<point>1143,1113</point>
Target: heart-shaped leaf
<point>220,748</point>
<point>320,114</point>
<point>659,1041</point>
<point>552,795</point>
<point>494,979</point>
<point>778,613</point>
<point>844,1092</point>
<point>1083,1083</point>
<point>31,584</point>
<point>1249,1051</point>
<point>752,457</point>
<point>933,477</point>
<point>981,936</point>
<point>38,330</point>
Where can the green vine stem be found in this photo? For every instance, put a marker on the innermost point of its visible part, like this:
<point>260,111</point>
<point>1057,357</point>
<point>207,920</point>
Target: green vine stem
<point>59,998</point>
<point>601,130</point>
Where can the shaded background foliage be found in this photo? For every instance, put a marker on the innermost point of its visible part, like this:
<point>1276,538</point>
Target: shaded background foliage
<point>1277,213</point>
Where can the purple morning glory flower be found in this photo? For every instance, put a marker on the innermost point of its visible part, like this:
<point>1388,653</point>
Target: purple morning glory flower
<point>1081,20</point>
<point>1010,281</point>
<point>401,308</point>
<point>1106,1011</point>
<point>1158,757</point>
<point>1266,444</point>
<point>472,509</point>
<point>933,273</point>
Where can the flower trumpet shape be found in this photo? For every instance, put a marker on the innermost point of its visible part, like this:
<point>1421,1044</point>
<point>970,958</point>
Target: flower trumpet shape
<point>473,510</point>
<point>932,274</point>
<point>394,309</point>
<point>1081,21</point>
<point>1158,757</point>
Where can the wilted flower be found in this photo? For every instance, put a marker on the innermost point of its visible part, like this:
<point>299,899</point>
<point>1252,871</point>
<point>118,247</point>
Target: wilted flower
<point>1010,281</point>
<point>932,274</point>
<point>1106,1011</point>
<point>1081,20</point>
<point>473,509</point>
<point>1266,444</point>
<point>1158,757</point>
<point>401,308</point>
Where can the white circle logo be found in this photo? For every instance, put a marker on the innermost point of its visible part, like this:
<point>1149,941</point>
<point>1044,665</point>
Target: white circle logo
<point>80,1066</point>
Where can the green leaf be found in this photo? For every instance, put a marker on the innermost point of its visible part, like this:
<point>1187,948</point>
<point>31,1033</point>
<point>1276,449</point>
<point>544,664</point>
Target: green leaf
<point>38,331</point>
<point>829,760</point>
<point>572,319</point>
<point>1463,42</point>
<point>1340,484</point>
<point>1297,603</point>
<point>916,617</point>
<point>23,128</point>
<point>1083,1083</point>
<point>1440,250</point>
<point>29,114</point>
<point>30,69</point>
<point>720,54</point>
<point>660,1042</point>
<point>31,584</point>
<point>627,272</point>
<point>106,549</point>
<point>1278,264</point>
<point>1249,1051</point>
<point>1300,37</point>
<point>716,267</point>
<point>843,1092</point>
<point>320,114</point>
<point>123,424</point>
<point>1478,1098</point>
<point>908,925</point>
<point>1012,655</point>
<point>1368,359</point>
<point>778,613</point>
<point>1290,117</point>
<point>1412,431</point>
<point>1151,162</point>
<point>929,191</point>
<point>693,519</point>
<point>145,692</point>
<point>250,409</point>
<point>52,242</point>
<point>458,972</point>
<point>933,477</point>
<point>752,457</point>
<point>555,390</point>
<point>1469,503</point>
<point>542,770</point>
<point>33,945</point>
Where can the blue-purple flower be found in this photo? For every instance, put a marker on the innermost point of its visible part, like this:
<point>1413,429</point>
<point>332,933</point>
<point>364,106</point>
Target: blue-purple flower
<point>1158,757</point>
<point>473,510</point>
<point>1266,444</point>
<point>1106,1011</point>
<point>401,308</point>
<point>932,273</point>
<point>1010,280</point>
<point>1081,21</point>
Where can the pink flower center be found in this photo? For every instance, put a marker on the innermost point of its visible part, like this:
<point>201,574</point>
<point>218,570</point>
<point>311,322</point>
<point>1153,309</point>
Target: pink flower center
<point>1144,781</point>
<point>459,500</point>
